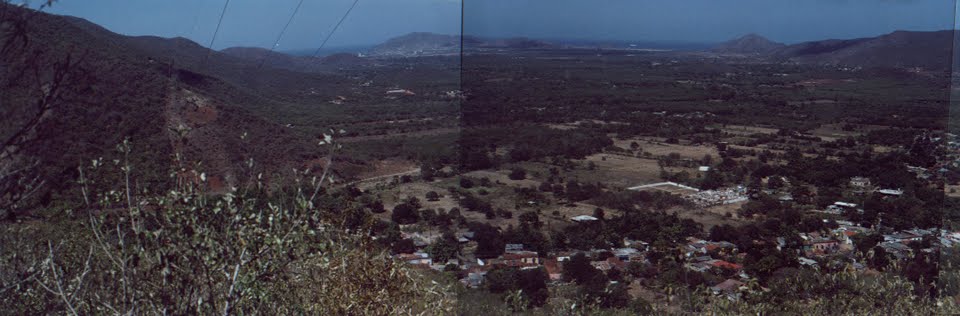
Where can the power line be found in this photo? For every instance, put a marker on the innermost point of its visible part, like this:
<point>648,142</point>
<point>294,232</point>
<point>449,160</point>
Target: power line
<point>279,37</point>
<point>335,28</point>
<point>217,30</point>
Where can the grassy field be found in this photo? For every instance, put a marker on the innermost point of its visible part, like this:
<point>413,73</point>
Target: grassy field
<point>658,147</point>
<point>747,130</point>
<point>617,171</point>
<point>712,216</point>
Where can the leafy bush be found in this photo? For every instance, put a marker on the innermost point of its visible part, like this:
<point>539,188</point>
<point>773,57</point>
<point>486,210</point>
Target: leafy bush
<point>252,250</point>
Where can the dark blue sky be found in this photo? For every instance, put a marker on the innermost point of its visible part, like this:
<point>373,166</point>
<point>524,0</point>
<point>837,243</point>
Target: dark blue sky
<point>258,22</point>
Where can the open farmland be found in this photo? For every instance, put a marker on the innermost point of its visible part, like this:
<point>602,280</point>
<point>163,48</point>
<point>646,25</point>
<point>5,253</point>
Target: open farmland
<point>620,171</point>
<point>659,147</point>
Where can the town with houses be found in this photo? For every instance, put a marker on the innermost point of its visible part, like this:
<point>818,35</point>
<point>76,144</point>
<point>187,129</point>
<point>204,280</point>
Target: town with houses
<point>835,247</point>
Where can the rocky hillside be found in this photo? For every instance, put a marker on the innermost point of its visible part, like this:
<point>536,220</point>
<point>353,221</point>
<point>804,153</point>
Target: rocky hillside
<point>166,96</point>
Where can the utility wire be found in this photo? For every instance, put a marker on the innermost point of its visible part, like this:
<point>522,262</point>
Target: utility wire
<point>335,28</point>
<point>279,37</point>
<point>217,30</point>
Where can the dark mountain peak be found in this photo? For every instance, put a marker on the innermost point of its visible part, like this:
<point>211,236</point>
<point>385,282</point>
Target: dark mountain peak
<point>748,44</point>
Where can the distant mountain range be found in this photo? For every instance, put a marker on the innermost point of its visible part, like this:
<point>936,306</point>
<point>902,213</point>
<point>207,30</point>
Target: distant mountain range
<point>421,43</point>
<point>901,49</point>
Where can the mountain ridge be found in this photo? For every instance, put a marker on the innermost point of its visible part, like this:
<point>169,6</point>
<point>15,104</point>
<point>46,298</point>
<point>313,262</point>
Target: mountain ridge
<point>149,89</point>
<point>898,49</point>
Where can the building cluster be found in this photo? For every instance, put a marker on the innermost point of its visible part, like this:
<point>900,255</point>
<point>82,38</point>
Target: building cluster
<point>833,248</point>
<point>902,244</point>
<point>515,256</point>
<point>709,198</point>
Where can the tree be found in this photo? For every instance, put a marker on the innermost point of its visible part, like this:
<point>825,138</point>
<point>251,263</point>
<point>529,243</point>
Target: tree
<point>802,194</point>
<point>599,213</point>
<point>636,269</point>
<point>533,282</point>
<point>707,160</point>
<point>616,296</point>
<point>444,248</point>
<point>501,280</point>
<point>404,214</point>
<point>376,206</point>
<point>490,242</point>
<point>723,232</point>
<point>615,275</point>
<point>579,270</point>
<point>865,242</point>
<point>428,215</point>
<point>466,183</point>
<point>432,196</point>
<point>414,202</point>
<point>545,187</point>
<point>531,218</point>
<point>880,259</point>
<point>405,245</point>
<point>775,182</point>
<point>518,173</point>
<point>427,172</point>
<point>489,213</point>
<point>596,287</point>
<point>558,240</point>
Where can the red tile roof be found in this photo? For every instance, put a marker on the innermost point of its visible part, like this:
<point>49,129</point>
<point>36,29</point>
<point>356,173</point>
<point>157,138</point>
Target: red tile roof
<point>727,265</point>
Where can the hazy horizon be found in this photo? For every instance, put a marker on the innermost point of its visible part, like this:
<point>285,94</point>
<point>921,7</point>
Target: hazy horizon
<point>250,23</point>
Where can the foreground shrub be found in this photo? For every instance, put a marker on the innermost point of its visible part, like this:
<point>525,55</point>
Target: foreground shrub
<point>251,250</point>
